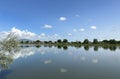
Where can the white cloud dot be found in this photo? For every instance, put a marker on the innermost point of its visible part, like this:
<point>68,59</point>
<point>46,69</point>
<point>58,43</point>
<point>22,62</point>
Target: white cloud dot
<point>93,27</point>
<point>69,34</point>
<point>62,18</point>
<point>82,29</point>
<point>42,34</point>
<point>56,35</point>
<point>74,30</point>
<point>47,26</point>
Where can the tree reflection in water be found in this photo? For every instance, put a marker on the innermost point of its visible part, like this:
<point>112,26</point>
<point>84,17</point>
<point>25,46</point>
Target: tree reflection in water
<point>86,47</point>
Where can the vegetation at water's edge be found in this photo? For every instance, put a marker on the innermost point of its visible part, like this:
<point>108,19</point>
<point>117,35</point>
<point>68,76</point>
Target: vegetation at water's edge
<point>86,44</point>
<point>66,42</point>
<point>8,46</point>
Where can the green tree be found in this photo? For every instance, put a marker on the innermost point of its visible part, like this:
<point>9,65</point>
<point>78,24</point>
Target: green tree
<point>27,42</point>
<point>86,41</point>
<point>37,41</point>
<point>59,41</point>
<point>105,41</point>
<point>21,42</point>
<point>65,41</point>
<point>112,41</point>
<point>95,41</point>
<point>50,42</point>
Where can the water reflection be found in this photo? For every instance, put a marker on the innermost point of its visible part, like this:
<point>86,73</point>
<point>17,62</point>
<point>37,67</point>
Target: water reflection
<point>110,47</point>
<point>95,61</point>
<point>86,47</point>
<point>83,58</point>
<point>47,61</point>
<point>95,48</point>
<point>64,47</point>
<point>7,56</point>
<point>63,70</point>
<point>57,60</point>
<point>38,46</point>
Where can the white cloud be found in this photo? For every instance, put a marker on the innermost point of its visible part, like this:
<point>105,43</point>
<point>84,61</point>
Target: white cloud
<point>42,34</point>
<point>82,29</point>
<point>47,26</point>
<point>69,34</point>
<point>62,18</point>
<point>23,34</point>
<point>93,27</point>
<point>75,30</point>
<point>56,35</point>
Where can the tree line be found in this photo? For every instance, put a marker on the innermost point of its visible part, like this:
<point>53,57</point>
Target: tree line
<point>65,41</point>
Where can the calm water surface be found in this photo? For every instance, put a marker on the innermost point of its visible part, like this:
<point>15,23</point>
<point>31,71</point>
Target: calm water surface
<point>59,63</point>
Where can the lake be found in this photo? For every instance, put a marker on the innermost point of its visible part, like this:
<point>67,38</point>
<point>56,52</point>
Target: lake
<point>61,63</point>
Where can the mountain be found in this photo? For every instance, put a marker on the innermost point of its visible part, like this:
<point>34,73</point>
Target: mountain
<point>24,40</point>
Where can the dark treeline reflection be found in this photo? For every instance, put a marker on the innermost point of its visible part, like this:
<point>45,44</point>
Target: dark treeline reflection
<point>62,47</point>
<point>86,47</point>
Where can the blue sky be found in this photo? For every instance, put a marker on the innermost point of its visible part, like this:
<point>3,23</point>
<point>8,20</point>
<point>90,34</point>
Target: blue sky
<point>55,19</point>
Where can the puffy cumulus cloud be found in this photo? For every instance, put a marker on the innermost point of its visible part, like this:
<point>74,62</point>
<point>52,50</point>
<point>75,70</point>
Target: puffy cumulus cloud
<point>93,27</point>
<point>62,18</point>
<point>23,33</point>
<point>82,29</point>
<point>48,26</point>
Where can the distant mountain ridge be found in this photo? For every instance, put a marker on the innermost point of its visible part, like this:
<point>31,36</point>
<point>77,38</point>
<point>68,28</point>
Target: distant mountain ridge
<point>24,40</point>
